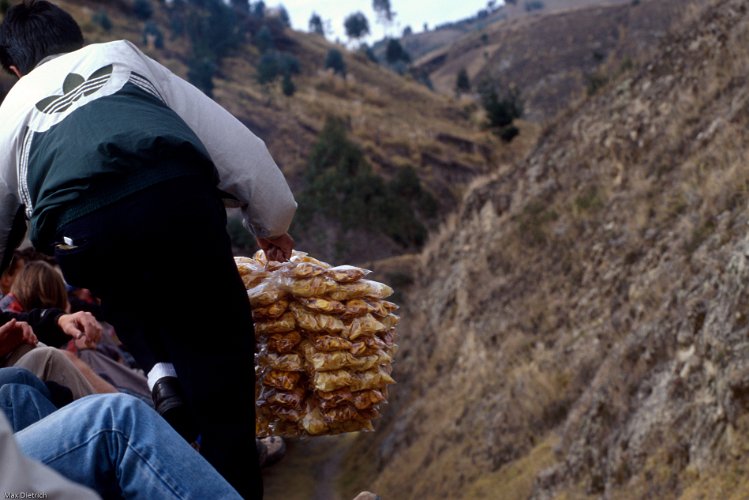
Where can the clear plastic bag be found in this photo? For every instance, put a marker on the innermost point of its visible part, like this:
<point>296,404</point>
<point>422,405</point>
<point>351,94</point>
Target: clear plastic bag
<point>285,323</point>
<point>346,274</point>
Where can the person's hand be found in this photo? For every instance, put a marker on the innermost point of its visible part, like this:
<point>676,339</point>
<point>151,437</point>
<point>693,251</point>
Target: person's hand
<point>277,249</point>
<point>81,325</point>
<point>14,333</point>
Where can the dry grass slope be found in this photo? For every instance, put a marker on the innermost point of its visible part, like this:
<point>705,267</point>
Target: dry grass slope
<point>583,320</point>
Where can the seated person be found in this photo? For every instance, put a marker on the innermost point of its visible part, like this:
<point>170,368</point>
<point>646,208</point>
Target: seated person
<point>40,286</point>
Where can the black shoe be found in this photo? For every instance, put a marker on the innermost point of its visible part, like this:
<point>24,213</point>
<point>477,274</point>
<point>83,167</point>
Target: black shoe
<point>170,404</point>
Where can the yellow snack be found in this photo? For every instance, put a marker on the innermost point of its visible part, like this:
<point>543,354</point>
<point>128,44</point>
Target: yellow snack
<point>355,307</point>
<point>390,321</point>
<point>303,257</point>
<point>310,287</point>
<point>306,270</point>
<point>341,413</point>
<point>271,311</point>
<point>364,325</point>
<point>285,323</point>
<point>283,342</point>
<point>330,381</point>
<point>314,423</point>
<point>368,345</point>
<point>314,322</point>
<point>322,305</point>
<point>381,308</point>
<point>286,413</point>
<point>252,279</point>
<point>346,274</point>
<point>328,343</point>
<point>282,380</point>
<point>371,379</point>
<point>290,399</point>
<point>360,399</point>
<point>367,399</point>
<point>265,294</point>
<point>361,288</point>
<point>284,362</point>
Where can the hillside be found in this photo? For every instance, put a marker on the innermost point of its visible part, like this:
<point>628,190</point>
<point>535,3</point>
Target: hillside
<point>445,35</point>
<point>555,56</point>
<point>579,329</point>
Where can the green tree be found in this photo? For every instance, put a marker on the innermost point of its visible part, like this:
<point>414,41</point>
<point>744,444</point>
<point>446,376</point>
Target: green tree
<point>283,16</point>
<point>101,19</point>
<point>264,39</point>
<point>142,9</point>
<point>287,85</point>
<point>462,82</point>
<point>200,71</point>
<point>315,24</point>
<point>384,13</point>
<point>343,187</point>
<point>258,10</point>
<point>334,60</point>
<point>394,52</point>
<point>356,26</point>
<point>501,108</point>
<point>152,33</point>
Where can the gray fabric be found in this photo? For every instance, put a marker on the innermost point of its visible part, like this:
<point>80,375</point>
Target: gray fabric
<point>117,374</point>
<point>51,364</point>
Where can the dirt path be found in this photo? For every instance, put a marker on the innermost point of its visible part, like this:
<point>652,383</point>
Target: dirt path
<point>309,471</point>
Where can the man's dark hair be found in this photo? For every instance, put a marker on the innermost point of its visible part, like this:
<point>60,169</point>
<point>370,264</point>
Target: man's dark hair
<point>33,30</point>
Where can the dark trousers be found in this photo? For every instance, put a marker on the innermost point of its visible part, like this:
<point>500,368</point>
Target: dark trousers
<point>161,263</point>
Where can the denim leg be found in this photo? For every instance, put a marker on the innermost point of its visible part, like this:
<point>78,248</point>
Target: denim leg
<point>23,405</point>
<point>16,375</point>
<point>118,446</point>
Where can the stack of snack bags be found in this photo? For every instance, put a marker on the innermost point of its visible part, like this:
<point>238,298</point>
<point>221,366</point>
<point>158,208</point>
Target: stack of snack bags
<point>325,341</point>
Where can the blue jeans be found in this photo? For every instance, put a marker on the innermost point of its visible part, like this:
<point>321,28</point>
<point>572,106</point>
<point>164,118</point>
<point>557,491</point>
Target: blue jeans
<point>23,397</point>
<point>118,446</point>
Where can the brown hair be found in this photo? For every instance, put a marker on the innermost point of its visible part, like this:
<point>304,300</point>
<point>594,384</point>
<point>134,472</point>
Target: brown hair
<point>40,286</point>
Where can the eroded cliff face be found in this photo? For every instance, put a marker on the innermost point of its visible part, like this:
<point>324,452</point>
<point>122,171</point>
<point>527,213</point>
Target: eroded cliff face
<point>581,326</point>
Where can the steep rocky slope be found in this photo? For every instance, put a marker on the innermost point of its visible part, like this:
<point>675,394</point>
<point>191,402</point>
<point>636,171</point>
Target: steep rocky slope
<point>581,327</point>
<point>554,57</point>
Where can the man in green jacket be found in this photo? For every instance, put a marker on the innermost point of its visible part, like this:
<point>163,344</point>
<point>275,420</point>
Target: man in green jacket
<point>123,170</point>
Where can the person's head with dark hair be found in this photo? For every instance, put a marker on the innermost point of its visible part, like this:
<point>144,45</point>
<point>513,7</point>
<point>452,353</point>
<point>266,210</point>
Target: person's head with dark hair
<point>33,30</point>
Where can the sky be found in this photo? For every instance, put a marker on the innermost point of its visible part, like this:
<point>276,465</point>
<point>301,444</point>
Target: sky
<point>412,13</point>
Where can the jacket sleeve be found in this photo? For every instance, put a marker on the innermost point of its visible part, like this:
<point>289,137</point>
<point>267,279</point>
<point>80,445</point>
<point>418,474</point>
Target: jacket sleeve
<point>245,167</point>
<point>12,218</point>
<point>44,324</point>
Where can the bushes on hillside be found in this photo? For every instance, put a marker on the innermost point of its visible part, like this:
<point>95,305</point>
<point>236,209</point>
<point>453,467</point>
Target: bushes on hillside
<point>502,107</point>
<point>343,187</point>
<point>334,60</point>
<point>101,19</point>
<point>274,64</point>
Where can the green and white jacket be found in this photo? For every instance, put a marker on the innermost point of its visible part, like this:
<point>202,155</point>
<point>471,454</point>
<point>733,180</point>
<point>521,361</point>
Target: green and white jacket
<point>86,128</point>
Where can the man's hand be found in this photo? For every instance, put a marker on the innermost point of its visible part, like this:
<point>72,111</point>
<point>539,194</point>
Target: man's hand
<point>14,333</point>
<point>81,325</point>
<point>278,248</point>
